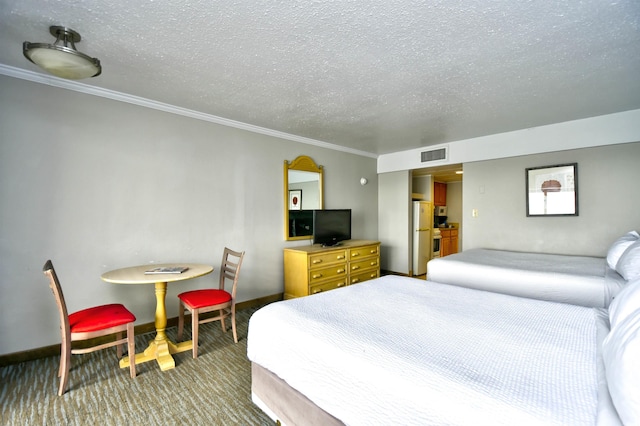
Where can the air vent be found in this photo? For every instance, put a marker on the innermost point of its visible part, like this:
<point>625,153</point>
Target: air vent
<point>436,154</point>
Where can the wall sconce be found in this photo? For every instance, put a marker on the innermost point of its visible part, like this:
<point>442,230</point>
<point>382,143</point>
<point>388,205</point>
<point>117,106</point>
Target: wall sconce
<point>61,58</point>
<point>363,181</point>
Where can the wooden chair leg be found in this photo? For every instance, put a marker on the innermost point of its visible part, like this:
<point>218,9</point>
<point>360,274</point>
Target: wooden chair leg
<point>61,364</point>
<point>180,320</point>
<point>65,360</point>
<point>233,324</point>
<point>224,326</point>
<point>131,348</point>
<point>119,347</point>
<point>194,332</point>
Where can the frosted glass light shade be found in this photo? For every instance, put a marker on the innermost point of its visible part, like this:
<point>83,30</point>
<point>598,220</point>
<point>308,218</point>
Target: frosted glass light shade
<point>62,60</point>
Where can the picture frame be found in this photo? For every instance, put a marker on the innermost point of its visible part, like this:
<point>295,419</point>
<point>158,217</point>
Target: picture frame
<point>295,199</point>
<point>552,190</point>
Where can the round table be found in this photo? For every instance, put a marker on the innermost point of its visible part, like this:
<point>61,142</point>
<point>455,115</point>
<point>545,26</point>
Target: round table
<point>160,348</point>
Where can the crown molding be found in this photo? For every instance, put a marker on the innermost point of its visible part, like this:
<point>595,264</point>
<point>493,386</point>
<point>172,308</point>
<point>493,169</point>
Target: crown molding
<point>172,109</point>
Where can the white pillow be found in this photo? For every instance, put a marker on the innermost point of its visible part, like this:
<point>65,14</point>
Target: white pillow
<point>619,246</point>
<point>629,264</point>
<point>621,352</point>
<point>625,303</point>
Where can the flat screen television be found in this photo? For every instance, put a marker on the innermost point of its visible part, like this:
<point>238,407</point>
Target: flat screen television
<point>331,226</point>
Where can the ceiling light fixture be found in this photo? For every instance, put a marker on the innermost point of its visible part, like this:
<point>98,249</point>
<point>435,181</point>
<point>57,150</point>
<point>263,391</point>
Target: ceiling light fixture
<point>61,58</point>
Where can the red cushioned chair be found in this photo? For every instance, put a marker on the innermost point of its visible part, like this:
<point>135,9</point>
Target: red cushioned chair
<point>87,324</point>
<point>209,300</point>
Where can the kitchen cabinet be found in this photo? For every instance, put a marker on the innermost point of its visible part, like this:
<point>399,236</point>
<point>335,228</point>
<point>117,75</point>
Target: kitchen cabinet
<point>449,241</point>
<point>439,194</point>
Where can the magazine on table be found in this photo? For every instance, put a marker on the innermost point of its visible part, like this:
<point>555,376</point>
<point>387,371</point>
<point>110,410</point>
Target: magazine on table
<point>167,270</point>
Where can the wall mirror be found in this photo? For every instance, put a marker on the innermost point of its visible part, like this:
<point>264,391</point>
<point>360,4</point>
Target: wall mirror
<point>303,193</point>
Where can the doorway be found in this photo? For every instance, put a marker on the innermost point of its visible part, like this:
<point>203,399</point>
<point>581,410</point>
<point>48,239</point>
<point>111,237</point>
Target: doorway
<point>423,186</point>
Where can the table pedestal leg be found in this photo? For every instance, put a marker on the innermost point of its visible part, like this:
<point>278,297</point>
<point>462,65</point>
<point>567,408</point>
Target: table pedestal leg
<point>160,348</point>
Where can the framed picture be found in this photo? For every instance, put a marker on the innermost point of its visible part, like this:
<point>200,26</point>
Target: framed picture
<point>552,190</point>
<point>295,199</point>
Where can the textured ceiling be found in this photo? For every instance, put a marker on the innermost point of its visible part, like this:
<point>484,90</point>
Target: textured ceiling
<point>376,76</point>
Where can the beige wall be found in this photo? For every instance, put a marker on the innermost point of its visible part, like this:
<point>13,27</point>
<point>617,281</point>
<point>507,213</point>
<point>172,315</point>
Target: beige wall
<point>95,184</point>
<point>608,178</point>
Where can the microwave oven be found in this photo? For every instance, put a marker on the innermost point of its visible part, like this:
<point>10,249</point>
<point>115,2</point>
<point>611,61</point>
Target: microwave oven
<point>440,211</point>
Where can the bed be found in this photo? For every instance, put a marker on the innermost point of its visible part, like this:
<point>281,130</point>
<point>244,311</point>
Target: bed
<point>579,280</point>
<point>399,350</point>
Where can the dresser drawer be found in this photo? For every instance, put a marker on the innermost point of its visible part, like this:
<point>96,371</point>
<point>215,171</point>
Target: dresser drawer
<point>356,278</point>
<point>328,286</point>
<point>362,265</point>
<point>322,274</point>
<point>321,259</point>
<point>364,252</point>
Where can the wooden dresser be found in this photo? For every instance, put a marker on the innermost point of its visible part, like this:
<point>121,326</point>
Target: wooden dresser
<point>312,269</point>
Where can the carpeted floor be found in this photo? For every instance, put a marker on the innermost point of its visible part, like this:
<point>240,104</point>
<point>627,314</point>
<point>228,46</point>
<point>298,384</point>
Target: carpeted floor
<point>214,389</point>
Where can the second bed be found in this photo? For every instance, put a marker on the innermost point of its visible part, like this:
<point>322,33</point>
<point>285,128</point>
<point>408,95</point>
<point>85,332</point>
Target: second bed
<point>578,280</point>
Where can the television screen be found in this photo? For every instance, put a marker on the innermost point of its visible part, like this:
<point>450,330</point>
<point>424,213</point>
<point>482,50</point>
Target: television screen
<point>331,226</point>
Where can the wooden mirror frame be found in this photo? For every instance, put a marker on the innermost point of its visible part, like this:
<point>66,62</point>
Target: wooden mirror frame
<point>305,164</point>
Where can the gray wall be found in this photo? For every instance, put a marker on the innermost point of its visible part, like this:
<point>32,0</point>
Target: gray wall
<point>394,226</point>
<point>95,184</point>
<point>608,179</point>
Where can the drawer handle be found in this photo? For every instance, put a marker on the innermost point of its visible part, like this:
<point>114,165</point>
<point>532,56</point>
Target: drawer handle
<point>374,263</point>
<point>355,280</point>
<point>341,285</point>
<point>317,276</point>
<point>373,251</point>
<point>340,257</point>
<point>315,261</point>
<point>316,290</point>
<point>354,254</point>
<point>354,267</point>
<point>340,271</point>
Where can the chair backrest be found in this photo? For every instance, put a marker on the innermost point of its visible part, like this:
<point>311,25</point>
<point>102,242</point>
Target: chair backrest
<point>54,284</point>
<point>230,269</point>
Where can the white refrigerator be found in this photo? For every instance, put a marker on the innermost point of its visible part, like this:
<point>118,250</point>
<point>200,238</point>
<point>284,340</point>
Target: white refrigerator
<point>422,223</point>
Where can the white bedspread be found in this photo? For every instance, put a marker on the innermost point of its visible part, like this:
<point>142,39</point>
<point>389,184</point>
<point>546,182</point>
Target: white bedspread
<point>398,350</point>
<point>580,280</point>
